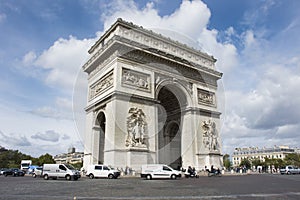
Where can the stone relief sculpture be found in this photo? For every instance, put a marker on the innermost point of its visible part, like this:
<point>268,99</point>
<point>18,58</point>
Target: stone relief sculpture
<point>136,128</point>
<point>135,79</point>
<point>105,83</point>
<point>210,136</point>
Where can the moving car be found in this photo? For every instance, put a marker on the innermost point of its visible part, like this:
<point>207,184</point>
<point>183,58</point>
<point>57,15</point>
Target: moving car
<point>102,171</point>
<point>159,171</point>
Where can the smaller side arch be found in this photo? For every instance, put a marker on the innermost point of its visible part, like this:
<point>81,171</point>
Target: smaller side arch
<point>99,136</point>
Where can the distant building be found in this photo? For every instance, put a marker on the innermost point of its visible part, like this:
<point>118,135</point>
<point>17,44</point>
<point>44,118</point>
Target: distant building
<point>71,157</point>
<point>251,153</point>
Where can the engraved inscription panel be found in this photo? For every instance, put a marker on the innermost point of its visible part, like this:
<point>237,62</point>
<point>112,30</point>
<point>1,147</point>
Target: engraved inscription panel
<point>206,97</point>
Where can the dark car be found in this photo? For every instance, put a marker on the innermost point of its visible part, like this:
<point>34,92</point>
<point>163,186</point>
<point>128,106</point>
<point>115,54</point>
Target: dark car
<point>2,170</point>
<point>14,172</point>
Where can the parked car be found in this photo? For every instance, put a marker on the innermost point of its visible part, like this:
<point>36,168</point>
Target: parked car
<point>37,172</point>
<point>290,170</point>
<point>14,172</point>
<point>102,171</point>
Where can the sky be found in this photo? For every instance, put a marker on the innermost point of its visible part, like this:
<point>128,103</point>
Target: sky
<point>44,44</point>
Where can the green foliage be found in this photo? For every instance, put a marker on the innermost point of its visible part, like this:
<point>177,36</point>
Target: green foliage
<point>246,162</point>
<point>292,159</point>
<point>78,165</point>
<point>257,162</point>
<point>47,158</point>
<point>226,161</point>
<point>12,159</point>
<point>277,163</point>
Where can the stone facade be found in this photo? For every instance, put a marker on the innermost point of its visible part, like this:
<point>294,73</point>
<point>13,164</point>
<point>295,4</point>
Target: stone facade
<point>150,100</point>
<point>255,153</point>
<point>71,157</point>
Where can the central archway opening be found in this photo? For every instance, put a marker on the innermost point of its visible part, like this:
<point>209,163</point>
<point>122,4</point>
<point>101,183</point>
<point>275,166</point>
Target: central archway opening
<point>171,99</point>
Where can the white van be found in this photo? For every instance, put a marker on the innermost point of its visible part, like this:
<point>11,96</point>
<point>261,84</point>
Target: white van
<point>55,171</point>
<point>159,171</point>
<point>101,171</point>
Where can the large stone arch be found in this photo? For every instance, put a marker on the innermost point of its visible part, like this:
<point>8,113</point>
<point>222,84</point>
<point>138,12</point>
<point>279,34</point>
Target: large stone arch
<point>133,69</point>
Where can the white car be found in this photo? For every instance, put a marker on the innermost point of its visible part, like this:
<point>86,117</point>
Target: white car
<point>102,171</point>
<point>37,172</point>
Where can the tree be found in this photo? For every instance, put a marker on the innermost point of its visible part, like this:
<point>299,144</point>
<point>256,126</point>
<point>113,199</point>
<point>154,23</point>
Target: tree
<point>12,158</point>
<point>226,161</point>
<point>78,165</point>
<point>292,159</point>
<point>257,162</point>
<point>246,162</point>
<point>47,158</point>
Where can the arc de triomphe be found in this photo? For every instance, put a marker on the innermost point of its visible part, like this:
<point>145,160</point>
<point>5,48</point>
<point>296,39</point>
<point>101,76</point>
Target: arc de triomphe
<point>150,100</point>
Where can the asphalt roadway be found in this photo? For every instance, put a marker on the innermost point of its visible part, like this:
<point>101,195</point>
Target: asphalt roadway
<point>259,186</point>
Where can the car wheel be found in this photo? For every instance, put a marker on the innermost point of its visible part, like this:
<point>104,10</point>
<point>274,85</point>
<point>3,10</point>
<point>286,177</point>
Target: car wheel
<point>68,177</point>
<point>91,176</point>
<point>34,175</point>
<point>111,176</point>
<point>173,176</point>
<point>46,177</point>
<point>288,172</point>
<point>148,177</point>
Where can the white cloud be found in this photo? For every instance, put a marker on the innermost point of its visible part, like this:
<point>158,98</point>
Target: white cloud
<point>12,140</point>
<point>49,135</point>
<point>58,65</point>
<point>62,109</point>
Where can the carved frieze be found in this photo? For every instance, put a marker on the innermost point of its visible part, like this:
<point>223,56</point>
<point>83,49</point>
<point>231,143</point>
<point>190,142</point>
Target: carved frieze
<point>105,83</point>
<point>136,80</point>
<point>206,97</point>
<point>210,136</point>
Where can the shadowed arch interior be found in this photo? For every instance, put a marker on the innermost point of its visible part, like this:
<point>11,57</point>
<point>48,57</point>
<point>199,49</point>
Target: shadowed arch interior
<point>100,122</point>
<point>169,139</point>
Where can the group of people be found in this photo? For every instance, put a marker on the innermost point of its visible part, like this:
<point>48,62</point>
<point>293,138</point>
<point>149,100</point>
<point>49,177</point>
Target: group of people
<point>191,171</point>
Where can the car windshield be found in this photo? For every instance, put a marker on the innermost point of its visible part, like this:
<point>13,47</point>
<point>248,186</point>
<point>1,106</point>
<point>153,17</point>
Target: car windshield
<point>70,166</point>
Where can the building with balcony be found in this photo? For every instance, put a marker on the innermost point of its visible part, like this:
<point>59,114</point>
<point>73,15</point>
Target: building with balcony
<point>252,153</point>
<point>71,157</point>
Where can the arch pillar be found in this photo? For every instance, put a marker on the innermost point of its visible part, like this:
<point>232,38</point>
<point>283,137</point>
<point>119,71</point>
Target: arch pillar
<point>188,140</point>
